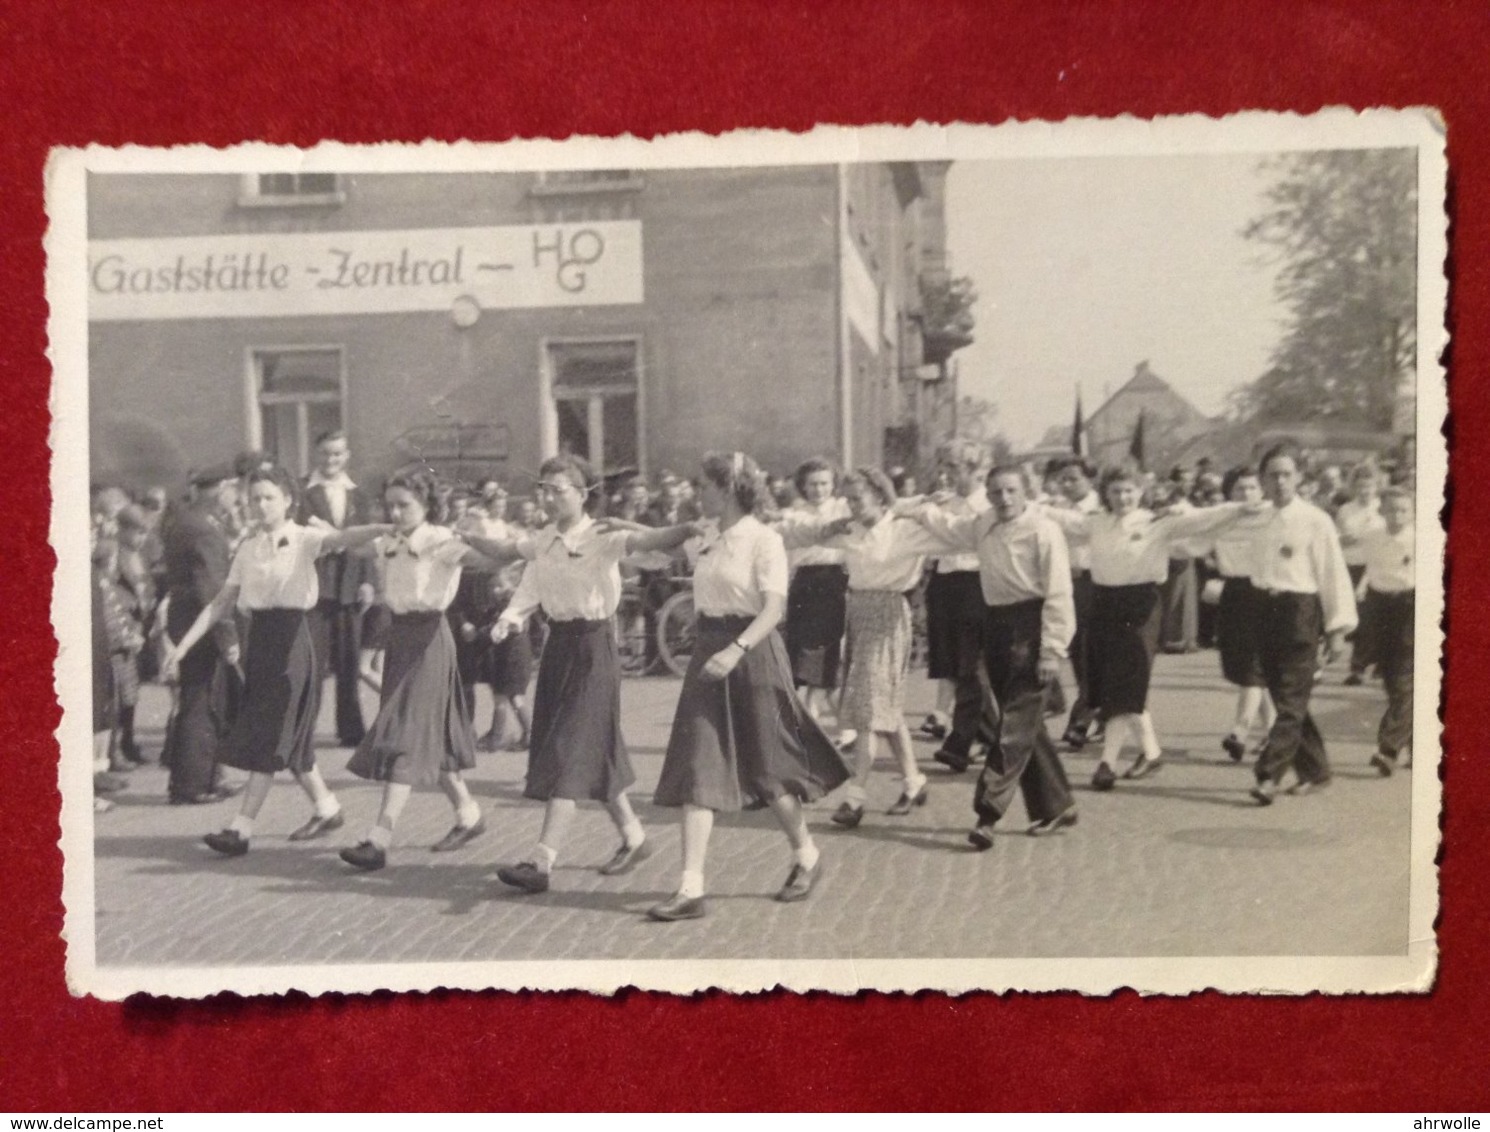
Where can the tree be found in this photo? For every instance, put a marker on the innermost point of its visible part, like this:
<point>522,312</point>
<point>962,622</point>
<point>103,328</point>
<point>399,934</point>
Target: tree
<point>1342,225</point>
<point>946,315</point>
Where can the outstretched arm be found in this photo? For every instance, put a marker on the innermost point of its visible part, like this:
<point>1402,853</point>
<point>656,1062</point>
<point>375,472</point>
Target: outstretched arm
<point>498,550</point>
<point>211,613</point>
<point>353,537</point>
<point>661,538</point>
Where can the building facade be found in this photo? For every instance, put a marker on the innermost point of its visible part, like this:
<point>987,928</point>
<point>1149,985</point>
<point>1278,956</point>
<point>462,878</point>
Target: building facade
<point>483,321</point>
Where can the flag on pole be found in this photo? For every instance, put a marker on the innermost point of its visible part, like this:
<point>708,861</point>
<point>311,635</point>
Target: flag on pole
<point>1135,446</point>
<point>1078,429</point>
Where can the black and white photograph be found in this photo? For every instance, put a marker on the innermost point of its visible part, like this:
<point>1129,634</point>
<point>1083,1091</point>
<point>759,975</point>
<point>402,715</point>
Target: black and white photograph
<point>953,558</point>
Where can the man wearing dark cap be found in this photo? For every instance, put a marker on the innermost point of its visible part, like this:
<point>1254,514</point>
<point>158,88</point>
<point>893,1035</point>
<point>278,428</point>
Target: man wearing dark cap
<point>196,554</point>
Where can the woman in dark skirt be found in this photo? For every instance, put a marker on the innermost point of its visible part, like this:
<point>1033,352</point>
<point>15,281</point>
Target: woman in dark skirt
<point>273,579</point>
<point>422,735</point>
<point>818,593</point>
<point>573,574</point>
<point>1130,549</point>
<point>1239,612</point>
<point>741,737</point>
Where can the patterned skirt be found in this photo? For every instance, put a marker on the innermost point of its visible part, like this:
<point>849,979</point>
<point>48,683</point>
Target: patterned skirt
<point>814,624</point>
<point>878,660</point>
<point>746,738</point>
<point>1124,639</point>
<point>576,749</point>
<point>422,728</point>
<point>276,722</point>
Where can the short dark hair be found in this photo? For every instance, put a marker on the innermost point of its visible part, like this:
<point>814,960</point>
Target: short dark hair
<point>331,434</point>
<point>1240,472</point>
<point>811,466</point>
<point>279,477</point>
<point>736,473</point>
<point>423,486</point>
<point>1061,463</point>
<point>1290,448</point>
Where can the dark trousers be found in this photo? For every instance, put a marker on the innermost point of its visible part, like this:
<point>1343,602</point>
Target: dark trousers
<point>335,633</point>
<point>1363,639</point>
<point>203,708</point>
<point>1021,753</point>
<point>1289,630</point>
<point>1082,711</point>
<point>1390,621</point>
<point>955,614</point>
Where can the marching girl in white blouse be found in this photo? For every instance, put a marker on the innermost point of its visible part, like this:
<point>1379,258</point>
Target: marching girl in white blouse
<point>1129,548</point>
<point>423,732</point>
<point>576,749</point>
<point>883,554</point>
<point>815,600</point>
<point>273,578</point>
<point>1237,615</point>
<point>740,734</point>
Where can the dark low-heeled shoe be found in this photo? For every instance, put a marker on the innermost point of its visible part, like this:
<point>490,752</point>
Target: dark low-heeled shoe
<point>626,858</point>
<point>679,907</point>
<point>1234,747</point>
<point>1143,768</point>
<point>1104,778</point>
<point>905,803</point>
<point>956,763</point>
<point>319,826</point>
<point>981,837</point>
<point>228,842</point>
<point>848,816</point>
<point>364,855</point>
<point>524,875</point>
<point>460,835</point>
<point>1063,820</point>
<point>799,883</point>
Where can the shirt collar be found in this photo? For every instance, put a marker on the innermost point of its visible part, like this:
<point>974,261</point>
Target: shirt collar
<point>571,538</point>
<point>341,480</point>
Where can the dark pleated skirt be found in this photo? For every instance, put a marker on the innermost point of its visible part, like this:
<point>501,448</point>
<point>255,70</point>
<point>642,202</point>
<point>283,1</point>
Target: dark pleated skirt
<point>276,722</point>
<point>745,739</point>
<point>1124,639</point>
<point>509,665</point>
<point>1236,633</point>
<point>576,749</point>
<point>815,624</point>
<point>422,728</point>
<point>954,625</point>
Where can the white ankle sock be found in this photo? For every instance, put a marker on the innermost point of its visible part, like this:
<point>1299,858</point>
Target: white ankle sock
<point>913,785</point>
<point>381,836</point>
<point>854,795</point>
<point>692,885</point>
<point>633,834</point>
<point>806,856</point>
<point>467,814</point>
<point>327,807</point>
<point>543,857</point>
<point>243,826</point>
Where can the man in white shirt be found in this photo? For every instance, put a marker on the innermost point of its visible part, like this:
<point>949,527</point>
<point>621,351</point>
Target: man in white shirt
<point>1304,594</point>
<point>1026,579</point>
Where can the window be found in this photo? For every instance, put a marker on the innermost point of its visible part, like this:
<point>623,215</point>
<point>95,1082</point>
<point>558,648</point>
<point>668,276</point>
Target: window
<point>299,395</point>
<point>277,190</point>
<point>570,196</point>
<point>595,387</point>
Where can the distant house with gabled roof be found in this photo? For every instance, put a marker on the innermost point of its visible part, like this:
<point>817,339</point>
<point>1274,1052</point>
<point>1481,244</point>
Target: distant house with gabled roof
<point>1170,423</point>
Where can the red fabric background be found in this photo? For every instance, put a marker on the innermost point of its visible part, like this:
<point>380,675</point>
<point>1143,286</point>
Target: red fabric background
<point>158,72</point>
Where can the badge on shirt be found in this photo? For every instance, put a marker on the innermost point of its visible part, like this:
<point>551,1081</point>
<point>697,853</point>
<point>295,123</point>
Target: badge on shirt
<point>1286,551</point>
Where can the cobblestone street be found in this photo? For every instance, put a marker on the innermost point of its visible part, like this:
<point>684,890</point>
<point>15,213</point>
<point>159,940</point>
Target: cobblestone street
<point>1182,863</point>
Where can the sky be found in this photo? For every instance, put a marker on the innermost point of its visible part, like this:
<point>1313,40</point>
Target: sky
<point>1085,267</point>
